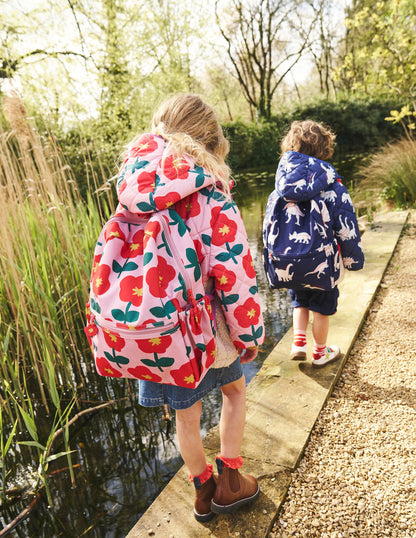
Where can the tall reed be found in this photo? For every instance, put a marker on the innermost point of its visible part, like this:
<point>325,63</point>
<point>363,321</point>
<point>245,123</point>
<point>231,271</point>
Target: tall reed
<point>47,236</point>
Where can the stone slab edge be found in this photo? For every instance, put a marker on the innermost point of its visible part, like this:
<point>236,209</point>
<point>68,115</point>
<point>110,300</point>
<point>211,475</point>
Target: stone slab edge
<point>284,400</point>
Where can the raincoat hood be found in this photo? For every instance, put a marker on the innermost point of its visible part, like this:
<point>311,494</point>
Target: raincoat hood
<point>300,177</point>
<point>152,178</point>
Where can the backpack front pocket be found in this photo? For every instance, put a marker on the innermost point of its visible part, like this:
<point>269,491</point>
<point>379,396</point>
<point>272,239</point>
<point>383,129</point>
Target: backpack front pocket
<point>176,353</point>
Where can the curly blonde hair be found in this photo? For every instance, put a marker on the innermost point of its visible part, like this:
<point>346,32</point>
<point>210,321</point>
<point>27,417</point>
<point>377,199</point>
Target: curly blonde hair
<point>191,127</point>
<point>310,138</point>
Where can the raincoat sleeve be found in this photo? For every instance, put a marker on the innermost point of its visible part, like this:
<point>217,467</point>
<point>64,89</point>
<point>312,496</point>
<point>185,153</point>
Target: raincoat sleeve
<point>231,266</point>
<point>346,230</point>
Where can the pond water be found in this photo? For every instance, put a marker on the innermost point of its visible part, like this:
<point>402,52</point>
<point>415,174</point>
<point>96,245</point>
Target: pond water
<point>124,455</point>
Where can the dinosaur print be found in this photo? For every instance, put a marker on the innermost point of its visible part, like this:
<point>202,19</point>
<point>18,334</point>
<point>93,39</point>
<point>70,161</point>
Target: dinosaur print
<point>346,198</point>
<point>298,184</point>
<point>330,195</point>
<point>284,274</point>
<point>319,270</point>
<point>330,172</point>
<point>348,262</point>
<point>327,248</point>
<point>301,237</point>
<point>346,232</point>
<point>293,209</point>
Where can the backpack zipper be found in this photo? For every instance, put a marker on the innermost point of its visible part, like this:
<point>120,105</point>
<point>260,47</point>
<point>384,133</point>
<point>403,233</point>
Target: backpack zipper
<point>161,330</point>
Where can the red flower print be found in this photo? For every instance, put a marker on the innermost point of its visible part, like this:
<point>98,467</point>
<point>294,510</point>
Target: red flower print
<point>144,145</point>
<point>141,372</point>
<point>155,345</point>
<point>135,247</point>
<point>198,248</point>
<point>113,231</point>
<point>114,340</point>
<point>214,215</point>
<point>187,374</point>
<point>95,264</point>
<point>188,207</point>
<point>175,167</point>
<point>194,317</point>
<point>131,290</point>
<point>152,230</point>
<point>146,181</point>
<point>163,202</point>
<point>158,278</point>
<point>210,353</point>
<point>247,314</point>
<point>122,187</point>
<point>105,368</point>
<point>91,330</point>
<point>249,265</point>
<point>100,281</point>
<point>224,279</point>
<point>223,231</point>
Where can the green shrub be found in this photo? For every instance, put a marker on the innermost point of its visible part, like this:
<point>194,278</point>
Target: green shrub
<point>360,126</point>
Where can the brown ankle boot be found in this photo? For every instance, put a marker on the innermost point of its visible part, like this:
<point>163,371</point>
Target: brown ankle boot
<point>203,496</point>
<point>233,489</point>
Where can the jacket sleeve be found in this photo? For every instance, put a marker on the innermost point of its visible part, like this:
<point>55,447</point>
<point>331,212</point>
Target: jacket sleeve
<point>346,230</point>
<point>231,266</point>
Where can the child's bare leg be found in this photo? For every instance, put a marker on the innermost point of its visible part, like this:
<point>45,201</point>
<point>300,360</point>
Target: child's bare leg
<point>322,354</point>
<point>189,438</point>
<point>320,327</point>
<point>300,319</point>
<point>233,489</point>
<point>233,416</point>
<point>300,324</point>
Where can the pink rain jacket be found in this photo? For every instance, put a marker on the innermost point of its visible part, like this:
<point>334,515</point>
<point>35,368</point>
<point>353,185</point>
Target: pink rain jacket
<point>152,179</point>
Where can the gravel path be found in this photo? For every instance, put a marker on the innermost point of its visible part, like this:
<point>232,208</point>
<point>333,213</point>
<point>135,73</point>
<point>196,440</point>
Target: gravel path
<point>358,474</point>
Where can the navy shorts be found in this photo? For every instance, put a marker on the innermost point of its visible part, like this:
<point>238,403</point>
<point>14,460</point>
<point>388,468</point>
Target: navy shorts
<point>323,302</point>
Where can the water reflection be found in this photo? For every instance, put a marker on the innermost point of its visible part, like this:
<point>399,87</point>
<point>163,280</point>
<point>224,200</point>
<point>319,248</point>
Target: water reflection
<point>125,454</point>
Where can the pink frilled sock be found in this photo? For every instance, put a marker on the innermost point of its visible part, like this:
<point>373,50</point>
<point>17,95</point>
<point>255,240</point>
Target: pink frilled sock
<point>200,479</point>
<point>232,463</point>
<point>299,338</point>
<point>318,352</point>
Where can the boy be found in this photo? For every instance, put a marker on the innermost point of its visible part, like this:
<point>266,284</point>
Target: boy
<point>310,208</point>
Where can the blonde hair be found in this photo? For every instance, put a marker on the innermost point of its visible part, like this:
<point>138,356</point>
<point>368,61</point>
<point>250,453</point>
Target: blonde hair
<point>310,138</point>
<point>191,127</point>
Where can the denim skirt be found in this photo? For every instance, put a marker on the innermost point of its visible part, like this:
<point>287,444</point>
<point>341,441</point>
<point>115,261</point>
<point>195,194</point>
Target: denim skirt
<point>153,394</point>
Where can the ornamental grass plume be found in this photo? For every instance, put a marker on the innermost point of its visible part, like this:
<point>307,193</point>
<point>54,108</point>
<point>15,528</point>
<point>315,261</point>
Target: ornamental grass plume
<point>15,114</point>
<point>390,177</point>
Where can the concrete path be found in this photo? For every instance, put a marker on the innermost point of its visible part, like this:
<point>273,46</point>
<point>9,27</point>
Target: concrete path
<point>284,400</point>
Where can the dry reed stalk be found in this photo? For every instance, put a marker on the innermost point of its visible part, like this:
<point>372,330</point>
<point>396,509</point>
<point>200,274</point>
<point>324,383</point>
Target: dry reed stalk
<point>38,236</point>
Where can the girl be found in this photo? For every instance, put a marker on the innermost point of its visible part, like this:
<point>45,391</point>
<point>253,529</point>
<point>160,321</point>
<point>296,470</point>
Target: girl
<point>185,142</point>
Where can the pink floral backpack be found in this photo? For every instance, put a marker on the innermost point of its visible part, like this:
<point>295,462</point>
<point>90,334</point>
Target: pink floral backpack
<point>148,315</point>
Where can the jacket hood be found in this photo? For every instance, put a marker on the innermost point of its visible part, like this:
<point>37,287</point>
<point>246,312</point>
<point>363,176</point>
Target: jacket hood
<point>300,177</point>
<point>152,178</point>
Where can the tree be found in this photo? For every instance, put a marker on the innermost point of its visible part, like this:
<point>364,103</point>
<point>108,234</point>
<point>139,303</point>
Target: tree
<point>380,55</point>
<point>324,42</point>
<point>264,42</point>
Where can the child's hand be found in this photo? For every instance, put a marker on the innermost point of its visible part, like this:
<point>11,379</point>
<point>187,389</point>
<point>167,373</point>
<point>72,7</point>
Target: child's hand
<point>249,354</point>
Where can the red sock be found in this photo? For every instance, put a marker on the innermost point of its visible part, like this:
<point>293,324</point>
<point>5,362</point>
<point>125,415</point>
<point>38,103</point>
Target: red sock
<point>318,352</point>
<point>232,463</point>
<point>203,477</point>
<point>299,338</point>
